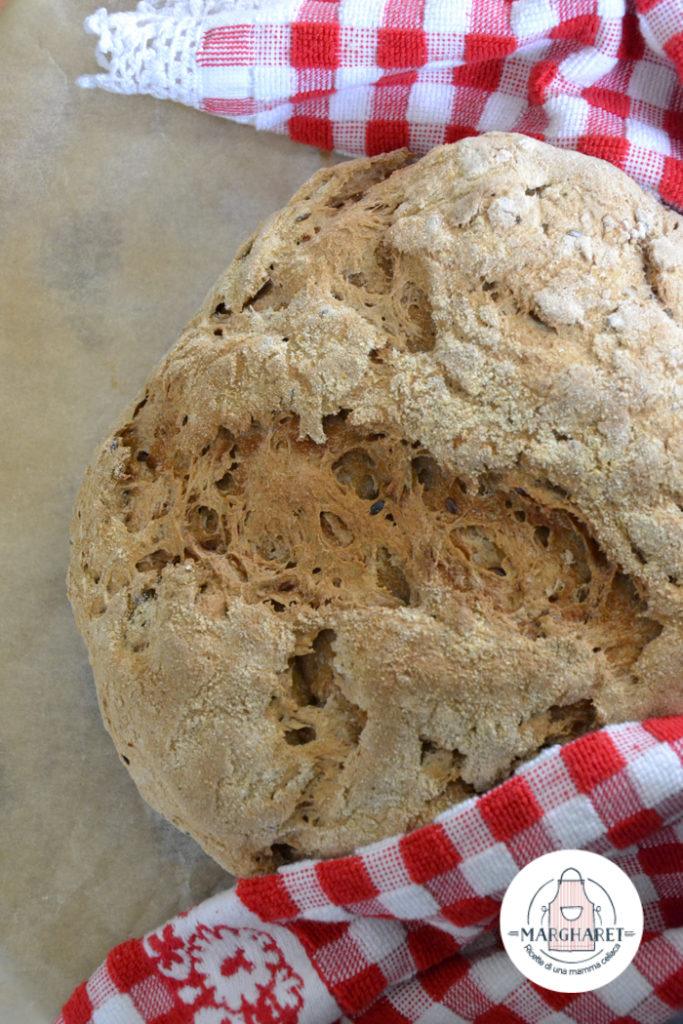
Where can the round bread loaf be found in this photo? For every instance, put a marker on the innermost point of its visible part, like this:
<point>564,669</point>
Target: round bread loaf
<point>402,507</point>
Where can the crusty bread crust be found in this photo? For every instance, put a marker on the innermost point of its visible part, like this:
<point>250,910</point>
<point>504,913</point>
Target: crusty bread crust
<point>401,507</point>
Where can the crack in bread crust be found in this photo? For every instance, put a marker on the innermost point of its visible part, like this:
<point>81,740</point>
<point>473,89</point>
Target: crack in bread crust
<point>401,507</point>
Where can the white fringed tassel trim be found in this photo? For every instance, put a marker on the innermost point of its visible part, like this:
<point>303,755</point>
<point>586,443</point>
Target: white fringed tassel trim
<point>152,50</point>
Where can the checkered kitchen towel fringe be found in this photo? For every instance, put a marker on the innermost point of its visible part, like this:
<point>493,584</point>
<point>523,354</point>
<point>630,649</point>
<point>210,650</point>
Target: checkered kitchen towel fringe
<point>405,930</point>
<point>367,76</point>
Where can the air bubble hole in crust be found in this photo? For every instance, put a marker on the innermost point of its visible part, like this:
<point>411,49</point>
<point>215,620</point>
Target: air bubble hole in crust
<point>426,471</point>
<point>208,519</point>
<point>316,686</point>
<point>335,530</point>
<point>282,853</point>
<point>542,533</point>
<point>312,674</point>
<point>427,747</point>
<point>300,735</point>
<point>226,484</point>
<point>391,577</point>
<point>157,560</point>
<point>355,468</point>
<point>390,524</point>
<point>421,332</point>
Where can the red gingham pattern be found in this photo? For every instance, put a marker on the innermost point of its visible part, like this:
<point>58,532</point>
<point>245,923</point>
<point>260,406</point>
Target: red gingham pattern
<point>365,76</point>
<point>405,931</point>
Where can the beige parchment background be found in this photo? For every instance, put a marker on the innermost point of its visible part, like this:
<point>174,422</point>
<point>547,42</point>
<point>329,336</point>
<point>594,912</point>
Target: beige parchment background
<point>116,215</point>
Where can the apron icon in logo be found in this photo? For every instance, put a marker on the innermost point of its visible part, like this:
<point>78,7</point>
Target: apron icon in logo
<point>571,915</point>
<point>565,934</point>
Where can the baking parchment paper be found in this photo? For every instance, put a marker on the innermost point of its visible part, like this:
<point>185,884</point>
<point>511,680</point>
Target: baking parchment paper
<point>116,216</point>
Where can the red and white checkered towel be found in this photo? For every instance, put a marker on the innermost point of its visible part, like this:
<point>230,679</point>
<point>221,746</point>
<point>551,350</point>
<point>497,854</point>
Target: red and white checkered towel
<point>366,76</point>
<point>406,932</point>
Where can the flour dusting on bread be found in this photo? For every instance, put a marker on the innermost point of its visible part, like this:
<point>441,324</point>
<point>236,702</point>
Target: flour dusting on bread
<point>402,507</point>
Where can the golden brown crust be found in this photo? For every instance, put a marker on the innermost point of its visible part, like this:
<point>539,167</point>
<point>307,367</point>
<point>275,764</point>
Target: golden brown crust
<point>401,507</point>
